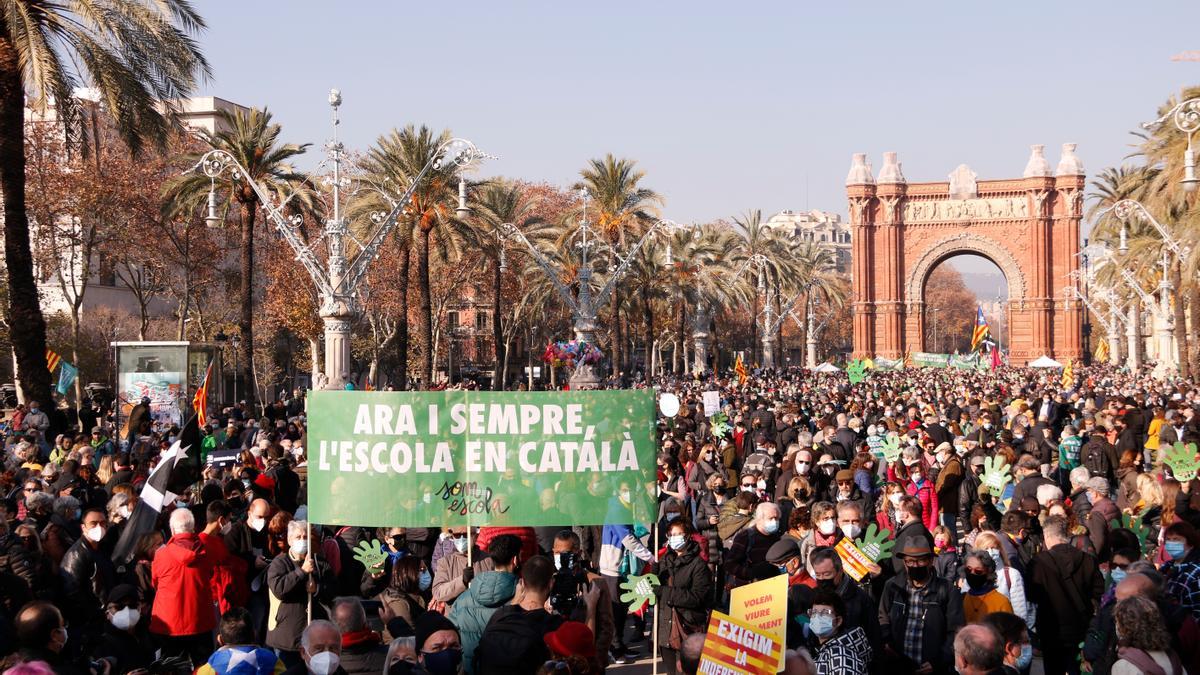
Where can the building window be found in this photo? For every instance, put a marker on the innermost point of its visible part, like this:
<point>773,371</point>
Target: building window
<point>452,320</point>
<point>481,320</point>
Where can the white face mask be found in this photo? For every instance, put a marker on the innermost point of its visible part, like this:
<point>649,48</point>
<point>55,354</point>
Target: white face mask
<point>125,512</point>
<point>257,524</point>
<point>95,533</point>
<point>851,530</point>
<point>827,527</point>
<point>324,663</point>
<point>126,618</point>
<point>895,498</point>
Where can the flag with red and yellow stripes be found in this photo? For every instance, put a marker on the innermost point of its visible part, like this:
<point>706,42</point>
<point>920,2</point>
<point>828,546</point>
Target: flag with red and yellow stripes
<point>740,369</point>
<point>200,400</point>
<point>52,359</point>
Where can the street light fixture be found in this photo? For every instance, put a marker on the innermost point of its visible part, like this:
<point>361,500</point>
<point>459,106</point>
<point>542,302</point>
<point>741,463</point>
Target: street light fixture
<point>338,281</point>
<point>583,307</point>
<point>1186,117</point>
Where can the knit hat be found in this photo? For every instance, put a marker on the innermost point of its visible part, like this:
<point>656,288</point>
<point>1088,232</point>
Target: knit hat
<point>572,639</point>
<point>429,623</point>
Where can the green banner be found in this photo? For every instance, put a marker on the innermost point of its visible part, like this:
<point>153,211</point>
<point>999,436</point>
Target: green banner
<point>445,458</point>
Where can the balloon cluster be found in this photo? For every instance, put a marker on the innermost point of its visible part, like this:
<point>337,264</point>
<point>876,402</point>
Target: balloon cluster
<point>572,352</point>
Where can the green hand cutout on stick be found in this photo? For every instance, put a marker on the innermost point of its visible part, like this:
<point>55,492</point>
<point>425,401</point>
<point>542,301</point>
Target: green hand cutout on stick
<point>996,475</point>
<point>891,448</point>
<point>640,590</point>
<point>875,544</point>
<point>857,370</point>
<point>1182,460</point>
<point>370,555</point>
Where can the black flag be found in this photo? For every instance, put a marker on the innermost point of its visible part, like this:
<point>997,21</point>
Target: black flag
<point>176,471</point>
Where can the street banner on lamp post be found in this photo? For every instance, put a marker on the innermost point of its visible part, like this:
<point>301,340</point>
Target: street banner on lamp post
<point>450,458</point>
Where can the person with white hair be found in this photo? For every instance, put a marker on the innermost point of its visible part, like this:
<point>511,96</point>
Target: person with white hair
<point>182,614</point>
<point>292,579</point>
<point>321,648</point>
<point>1047,494</point>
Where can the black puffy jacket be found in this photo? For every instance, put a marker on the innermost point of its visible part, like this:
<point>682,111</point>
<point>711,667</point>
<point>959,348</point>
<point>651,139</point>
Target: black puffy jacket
<point>686,587</point>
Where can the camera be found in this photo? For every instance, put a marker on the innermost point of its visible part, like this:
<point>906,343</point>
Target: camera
<point>564,590</point>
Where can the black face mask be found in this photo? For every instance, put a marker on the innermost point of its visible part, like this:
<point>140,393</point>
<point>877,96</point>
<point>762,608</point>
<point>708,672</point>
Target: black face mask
<point>918,573</point>
<point>399,541</point>
<point>400,667</point>
<point>826,585</point>
<point>976,581</point>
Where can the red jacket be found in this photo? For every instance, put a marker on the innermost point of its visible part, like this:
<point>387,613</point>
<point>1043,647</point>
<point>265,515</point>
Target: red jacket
<point>529,542</point>
<point>182,574</point>
<point>229,588</point>
<point>929,501</point>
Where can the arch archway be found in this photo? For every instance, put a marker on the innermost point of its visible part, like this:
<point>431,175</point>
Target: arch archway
<point>947,294</point>
<point>1029,227</point>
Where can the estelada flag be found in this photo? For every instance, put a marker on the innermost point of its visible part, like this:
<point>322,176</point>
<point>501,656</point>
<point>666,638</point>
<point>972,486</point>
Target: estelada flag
<point>740,369</point>
<point>1102,350</point>
<point>981,329</point>
<point>1068,377</point>
<point>200,400</point>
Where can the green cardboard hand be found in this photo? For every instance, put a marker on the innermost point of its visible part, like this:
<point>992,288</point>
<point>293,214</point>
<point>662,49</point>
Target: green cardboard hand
<point>1182,460</point>
<point>996,475</point>
<point>370,555</point>
<point>640,590</point>
<point>1134,525</point>
<point>875,544</point>
<point>720,425</point>
<point>891,448</point>
<point>857,370</point>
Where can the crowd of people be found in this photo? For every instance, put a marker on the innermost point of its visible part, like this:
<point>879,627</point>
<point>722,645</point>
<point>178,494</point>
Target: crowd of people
<point>1089,562</point>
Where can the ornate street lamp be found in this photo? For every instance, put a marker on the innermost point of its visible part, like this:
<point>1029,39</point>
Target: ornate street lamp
<point>338,281</point>
<point>1186,117</point>
<point>583,307</point>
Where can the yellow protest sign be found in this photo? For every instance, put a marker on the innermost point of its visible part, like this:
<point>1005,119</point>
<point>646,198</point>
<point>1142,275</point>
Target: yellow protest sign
<point>854,561</point>
<point>732,647</point>
<point>762,605</point>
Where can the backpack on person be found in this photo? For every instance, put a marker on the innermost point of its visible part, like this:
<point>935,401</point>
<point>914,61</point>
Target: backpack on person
<point>1095,459</point>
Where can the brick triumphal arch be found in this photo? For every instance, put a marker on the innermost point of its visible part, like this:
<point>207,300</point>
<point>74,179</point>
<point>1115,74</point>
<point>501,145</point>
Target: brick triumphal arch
<point>1028,227</point>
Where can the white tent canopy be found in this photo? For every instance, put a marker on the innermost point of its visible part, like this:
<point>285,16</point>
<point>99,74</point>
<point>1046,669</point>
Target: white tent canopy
<point>1045,362</point>
<point>827,368</point>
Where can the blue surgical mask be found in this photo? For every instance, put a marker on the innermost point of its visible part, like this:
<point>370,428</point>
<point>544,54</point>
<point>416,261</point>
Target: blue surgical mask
<point>672,516</point>
<point>424,580</point>
<point>821,625</point>
<point>460,544</point>
<point>771,526</point>
<point>1118,575</point>
<point>1174,549</point>
<point>676,541</point>
<point>300,548</point>
<point>1026,656</point>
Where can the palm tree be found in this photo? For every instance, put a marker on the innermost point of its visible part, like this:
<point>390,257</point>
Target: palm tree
<point>138,56</point>
<point>498,204</point>
<point>396,160</point>
<point>621,210</point>
<point>758,238</point>
<point>253,141</point>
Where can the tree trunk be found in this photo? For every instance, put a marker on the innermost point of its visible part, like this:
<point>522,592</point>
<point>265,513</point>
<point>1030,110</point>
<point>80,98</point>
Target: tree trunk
<point>504,370</point>
<point>753,331</point>
<point>500,347</point>
<point>314,357</point>
<point>616,322</point>
<point>682,336</point>
<point>27,325</point>
<point>1180,318</point>
<point>402,320</point>
<point>426,311</point>
<point>246,298</point>
<point>1193,309</point>
<point>648,324</point>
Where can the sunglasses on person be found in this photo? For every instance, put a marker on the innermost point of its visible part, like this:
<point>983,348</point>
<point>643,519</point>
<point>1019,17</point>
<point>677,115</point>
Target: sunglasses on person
<point>749,485</point>
<point>845,483</point>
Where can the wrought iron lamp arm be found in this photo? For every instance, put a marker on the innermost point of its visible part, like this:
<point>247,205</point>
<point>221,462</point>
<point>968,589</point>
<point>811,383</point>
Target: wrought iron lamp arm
<point>511,231</point>
<point>623,267</point>
<point>216,162</point>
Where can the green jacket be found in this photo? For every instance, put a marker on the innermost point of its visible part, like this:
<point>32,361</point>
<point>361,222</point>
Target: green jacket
<point>472,610</point>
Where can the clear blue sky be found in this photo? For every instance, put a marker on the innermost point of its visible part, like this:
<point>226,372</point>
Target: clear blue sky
<point>727,106</point>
